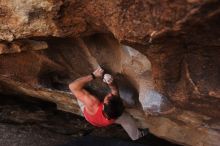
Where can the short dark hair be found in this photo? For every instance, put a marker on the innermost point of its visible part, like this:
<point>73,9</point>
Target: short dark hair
<point>114,108</point>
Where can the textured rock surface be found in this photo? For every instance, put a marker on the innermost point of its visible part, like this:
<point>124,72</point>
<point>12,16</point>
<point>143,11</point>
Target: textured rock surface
<point>27,121</point>
<point>22,45</point>
<point>178,41</point>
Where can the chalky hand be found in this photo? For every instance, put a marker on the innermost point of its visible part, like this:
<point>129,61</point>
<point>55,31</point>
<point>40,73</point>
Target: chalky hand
<point>108,79</point>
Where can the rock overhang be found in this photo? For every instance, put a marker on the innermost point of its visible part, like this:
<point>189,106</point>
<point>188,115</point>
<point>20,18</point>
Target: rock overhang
<point>180,46</point>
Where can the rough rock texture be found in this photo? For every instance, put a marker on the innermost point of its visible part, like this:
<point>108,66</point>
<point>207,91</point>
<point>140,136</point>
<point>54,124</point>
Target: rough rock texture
<point>26,121</point>
<point>22,45</point>
<point>177,47</point>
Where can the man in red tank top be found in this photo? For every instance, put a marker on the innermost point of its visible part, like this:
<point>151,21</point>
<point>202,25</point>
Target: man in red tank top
<point>105,113</point>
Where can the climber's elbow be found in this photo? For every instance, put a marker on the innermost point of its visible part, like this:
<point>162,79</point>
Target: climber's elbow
<point>73,87</point>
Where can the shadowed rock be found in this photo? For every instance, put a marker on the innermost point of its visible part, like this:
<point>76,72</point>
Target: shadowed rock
<point>165,48</point>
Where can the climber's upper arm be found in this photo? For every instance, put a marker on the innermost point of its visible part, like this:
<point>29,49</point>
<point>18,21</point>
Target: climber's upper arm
<point>85,97</point>
<point>114,89</point>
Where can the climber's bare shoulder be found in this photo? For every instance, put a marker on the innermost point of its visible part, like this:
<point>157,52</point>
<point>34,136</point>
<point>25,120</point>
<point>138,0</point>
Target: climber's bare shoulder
<point>90,101</point>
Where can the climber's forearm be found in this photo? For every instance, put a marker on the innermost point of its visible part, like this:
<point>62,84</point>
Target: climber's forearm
<point>79,83</point>
<point>114,88</point>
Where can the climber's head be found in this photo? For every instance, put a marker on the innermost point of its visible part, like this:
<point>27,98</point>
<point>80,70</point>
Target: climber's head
<point>113,106</point>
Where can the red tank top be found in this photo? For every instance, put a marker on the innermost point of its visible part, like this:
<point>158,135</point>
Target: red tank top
<point>98,118</point>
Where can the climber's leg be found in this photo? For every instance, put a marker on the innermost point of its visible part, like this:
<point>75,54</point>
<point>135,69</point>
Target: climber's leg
<point>129,125</point>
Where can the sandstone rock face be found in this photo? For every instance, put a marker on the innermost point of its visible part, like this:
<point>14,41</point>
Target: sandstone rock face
<point>22,45</point>
<point>168,50</point>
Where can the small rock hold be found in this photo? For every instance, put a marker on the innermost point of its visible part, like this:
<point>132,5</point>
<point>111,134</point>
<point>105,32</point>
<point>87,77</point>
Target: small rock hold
<point>3,48</point>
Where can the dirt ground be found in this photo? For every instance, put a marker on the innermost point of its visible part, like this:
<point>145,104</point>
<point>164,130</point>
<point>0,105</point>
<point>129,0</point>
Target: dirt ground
<point>29,135</point>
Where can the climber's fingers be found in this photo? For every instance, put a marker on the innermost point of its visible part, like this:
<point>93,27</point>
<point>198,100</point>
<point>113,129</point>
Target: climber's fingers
<point>98,72</point>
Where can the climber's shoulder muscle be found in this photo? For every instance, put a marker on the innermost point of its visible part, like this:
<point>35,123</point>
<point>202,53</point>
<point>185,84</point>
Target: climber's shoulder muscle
<point>86,98</point>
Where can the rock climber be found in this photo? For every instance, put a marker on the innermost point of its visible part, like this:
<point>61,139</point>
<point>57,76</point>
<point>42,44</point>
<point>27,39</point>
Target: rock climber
<point>108,112</point>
